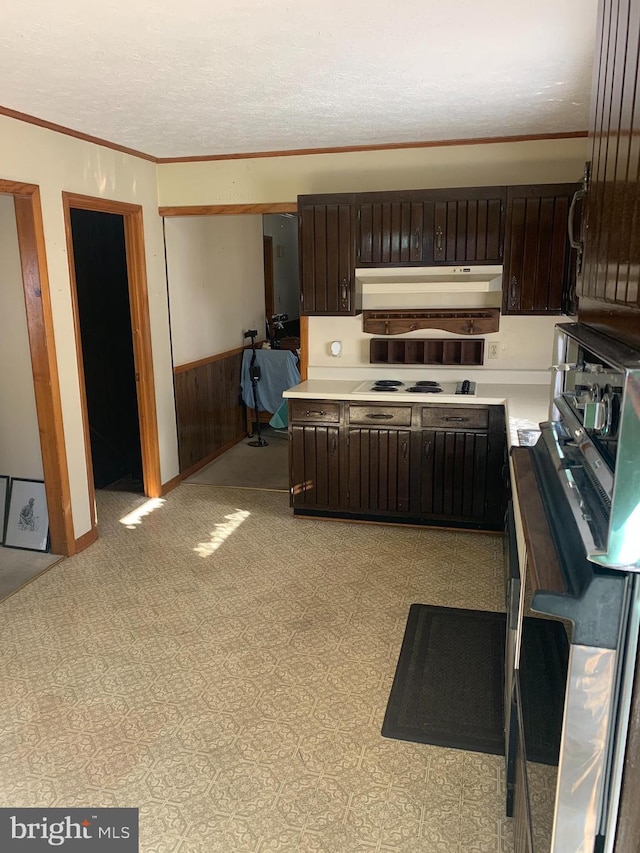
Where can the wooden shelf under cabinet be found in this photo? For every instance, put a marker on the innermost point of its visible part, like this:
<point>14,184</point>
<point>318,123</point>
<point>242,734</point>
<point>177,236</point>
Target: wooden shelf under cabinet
<point>427,351</point>
<point>460,321</point>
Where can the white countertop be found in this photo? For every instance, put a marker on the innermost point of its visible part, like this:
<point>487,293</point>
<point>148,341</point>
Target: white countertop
<point>525,405</point>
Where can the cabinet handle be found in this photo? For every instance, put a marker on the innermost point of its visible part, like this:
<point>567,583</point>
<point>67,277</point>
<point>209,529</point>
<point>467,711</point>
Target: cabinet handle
<point>456,418</point>
<point>416,240</point>
<point>405,447</point>
<point>334,444</point>
<point>439,236</point>
<point>344,291</point>
<point>379,416</point>
<point>319,412</point>
<point>513,292</point>
<point>580,193</point>
<point>427,449</point>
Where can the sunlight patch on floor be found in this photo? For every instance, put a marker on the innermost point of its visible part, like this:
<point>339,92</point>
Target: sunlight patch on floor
<point>221,532</point>
<point>134,518</point>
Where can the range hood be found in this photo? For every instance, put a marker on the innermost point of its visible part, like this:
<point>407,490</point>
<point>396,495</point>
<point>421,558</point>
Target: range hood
<point>483,278</point>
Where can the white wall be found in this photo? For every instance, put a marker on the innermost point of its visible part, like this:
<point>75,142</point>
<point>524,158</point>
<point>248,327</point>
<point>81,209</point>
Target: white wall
<point>20,454</point>
<point>216,283</point>
<point>56,162</point>
<point>525,345</point>
<point>282,179</point>
<point>525,341</point>
<point>286,273</point>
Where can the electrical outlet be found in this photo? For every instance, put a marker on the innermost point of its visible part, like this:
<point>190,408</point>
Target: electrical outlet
<point>494,349</point>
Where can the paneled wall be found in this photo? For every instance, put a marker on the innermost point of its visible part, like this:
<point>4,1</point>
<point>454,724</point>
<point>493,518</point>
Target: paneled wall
<point>209,410</point>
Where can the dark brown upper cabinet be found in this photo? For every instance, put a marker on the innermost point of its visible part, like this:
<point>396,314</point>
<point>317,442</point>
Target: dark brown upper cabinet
<point>327,241</point>
<point>539,264</point>
<point>391,229</point>
<point>425,227</point>
<point>609,283</point>
<point>468,226</point>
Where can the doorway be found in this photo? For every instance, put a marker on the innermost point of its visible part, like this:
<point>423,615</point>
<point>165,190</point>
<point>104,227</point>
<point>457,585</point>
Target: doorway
<point>126,228</point>
<point>104,314</point>
<point>282,279</point>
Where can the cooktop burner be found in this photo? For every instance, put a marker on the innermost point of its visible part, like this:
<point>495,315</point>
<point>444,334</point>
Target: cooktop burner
<point>420,386</point>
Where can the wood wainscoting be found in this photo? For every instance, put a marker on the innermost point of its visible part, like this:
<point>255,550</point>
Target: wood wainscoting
<point>209,408</point>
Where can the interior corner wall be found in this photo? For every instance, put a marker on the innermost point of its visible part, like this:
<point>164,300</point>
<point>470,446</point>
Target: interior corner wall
<point>20,454</point>
<point>282,179</point>
<point>215,272</point>
<point>57,163</point>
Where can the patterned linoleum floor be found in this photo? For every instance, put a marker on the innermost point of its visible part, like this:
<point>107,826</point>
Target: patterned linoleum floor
<point>225,668</point>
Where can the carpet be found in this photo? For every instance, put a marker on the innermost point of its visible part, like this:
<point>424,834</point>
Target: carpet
<point>248,467</point>
<point>448,685</point>
<point>18,568</point>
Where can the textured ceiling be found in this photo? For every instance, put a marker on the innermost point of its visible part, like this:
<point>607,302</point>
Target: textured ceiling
<point>230,76</point>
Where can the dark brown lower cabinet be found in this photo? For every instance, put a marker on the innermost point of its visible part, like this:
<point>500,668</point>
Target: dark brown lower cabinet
<point>454,474</point>
<point>437,464</point>
<point>315,471</point>
<point>379,470</point>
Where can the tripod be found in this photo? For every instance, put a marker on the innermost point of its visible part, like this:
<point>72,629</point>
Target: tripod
<point>254,376</point>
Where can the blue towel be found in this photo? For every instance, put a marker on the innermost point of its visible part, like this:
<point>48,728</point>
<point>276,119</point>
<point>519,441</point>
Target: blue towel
<point>278,373</point>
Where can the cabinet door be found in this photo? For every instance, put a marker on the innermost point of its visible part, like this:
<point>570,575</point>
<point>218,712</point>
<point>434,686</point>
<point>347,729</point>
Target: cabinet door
<point>314,470</point>
<point>390,232</point>
<point>609,286</point>
<point>379,470</point>
<point>539,265</point>
<point>467,226</point>
<point>327,257</point>
<point>454,475</point>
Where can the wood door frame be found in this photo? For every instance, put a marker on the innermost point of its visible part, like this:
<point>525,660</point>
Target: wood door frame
<point>44,365</point>
<point>267,253</point>
<point>141,334</point>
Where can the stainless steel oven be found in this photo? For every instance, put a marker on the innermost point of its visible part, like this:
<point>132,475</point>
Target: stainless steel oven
<point>579,487</point>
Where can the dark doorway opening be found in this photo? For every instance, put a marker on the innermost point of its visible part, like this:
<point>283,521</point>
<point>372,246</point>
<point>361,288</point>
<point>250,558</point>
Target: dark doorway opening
<point>104,313</point>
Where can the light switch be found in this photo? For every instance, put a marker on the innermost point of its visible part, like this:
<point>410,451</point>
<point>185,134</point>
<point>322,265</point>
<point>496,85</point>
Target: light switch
<point>336,348</point>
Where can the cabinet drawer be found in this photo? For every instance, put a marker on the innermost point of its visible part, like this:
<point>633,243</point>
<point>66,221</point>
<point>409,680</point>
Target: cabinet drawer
<point>455,417</point>
<point>318,411</point>
<point>382,415</point>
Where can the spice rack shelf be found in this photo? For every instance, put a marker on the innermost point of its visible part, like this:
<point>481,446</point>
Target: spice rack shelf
<point>427,351</point>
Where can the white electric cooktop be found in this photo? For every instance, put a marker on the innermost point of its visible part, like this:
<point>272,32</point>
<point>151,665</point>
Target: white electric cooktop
<point>422,387</point>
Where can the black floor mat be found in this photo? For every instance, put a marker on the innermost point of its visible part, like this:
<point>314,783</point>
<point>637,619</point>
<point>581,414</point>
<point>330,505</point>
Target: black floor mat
<point>449,682</point>
<point>447,688</point>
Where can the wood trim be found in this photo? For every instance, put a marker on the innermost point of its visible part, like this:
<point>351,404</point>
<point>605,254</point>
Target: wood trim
<point>542,557</point>
<point>304,347</point>
<point>267,258</point>
<point>80,362</point>
<point>207,459</point>
<point>44,364</point>
<point>190,365</point>
<point>294,152</point>
<point>76,134</point>
<point>388,146</point>
<point>628,828</point>
<point>86,539</point>
<point>140,326</point>
<point>229,209</point>
<point>171,484</point>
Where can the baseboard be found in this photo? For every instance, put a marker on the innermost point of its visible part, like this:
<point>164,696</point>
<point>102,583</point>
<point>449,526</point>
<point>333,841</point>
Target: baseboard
<point>85,540</point>
<point>170,484</point>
